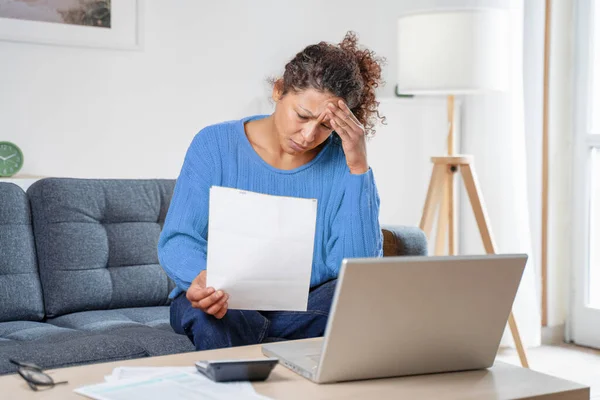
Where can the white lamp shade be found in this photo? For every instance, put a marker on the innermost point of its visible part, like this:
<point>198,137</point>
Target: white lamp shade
<point>453,51</point>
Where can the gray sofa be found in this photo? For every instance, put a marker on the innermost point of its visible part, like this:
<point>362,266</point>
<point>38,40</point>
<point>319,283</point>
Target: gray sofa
<point>80,280</point>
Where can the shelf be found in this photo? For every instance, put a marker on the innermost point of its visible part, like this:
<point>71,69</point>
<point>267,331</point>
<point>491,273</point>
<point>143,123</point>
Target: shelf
<point>23,181</point>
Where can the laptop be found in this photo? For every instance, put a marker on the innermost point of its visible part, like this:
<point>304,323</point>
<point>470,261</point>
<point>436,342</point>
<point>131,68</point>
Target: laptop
<point>409,315</point>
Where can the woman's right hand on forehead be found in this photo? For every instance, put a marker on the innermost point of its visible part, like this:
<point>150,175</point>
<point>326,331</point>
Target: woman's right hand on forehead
<point>209,300</point>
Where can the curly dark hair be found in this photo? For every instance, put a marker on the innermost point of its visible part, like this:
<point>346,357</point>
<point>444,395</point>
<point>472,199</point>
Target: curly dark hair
<point>344,70</point>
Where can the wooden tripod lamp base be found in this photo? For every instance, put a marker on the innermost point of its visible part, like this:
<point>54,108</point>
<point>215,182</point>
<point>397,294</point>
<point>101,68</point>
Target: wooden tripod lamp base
<point>441,192</point>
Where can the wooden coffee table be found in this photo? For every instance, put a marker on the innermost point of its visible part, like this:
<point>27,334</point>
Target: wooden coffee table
<point>502,381</point>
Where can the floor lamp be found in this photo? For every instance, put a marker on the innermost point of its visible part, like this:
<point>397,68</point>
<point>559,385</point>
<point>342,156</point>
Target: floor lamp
<point>455,52</point>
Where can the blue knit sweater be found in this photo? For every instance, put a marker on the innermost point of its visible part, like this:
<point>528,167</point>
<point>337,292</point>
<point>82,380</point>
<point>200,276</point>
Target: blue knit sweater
<point>221,155</point>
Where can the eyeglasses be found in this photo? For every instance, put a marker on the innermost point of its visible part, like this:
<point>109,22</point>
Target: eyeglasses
<point>34,375</point>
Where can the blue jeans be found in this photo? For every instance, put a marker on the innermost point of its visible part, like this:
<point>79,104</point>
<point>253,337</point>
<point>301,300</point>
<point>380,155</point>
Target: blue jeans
<point>243,327</point>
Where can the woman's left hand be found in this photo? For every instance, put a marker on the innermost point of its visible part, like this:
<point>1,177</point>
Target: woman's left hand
<point>352,132</point>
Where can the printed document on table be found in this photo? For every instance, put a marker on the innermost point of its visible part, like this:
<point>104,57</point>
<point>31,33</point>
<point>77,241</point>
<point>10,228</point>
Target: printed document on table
<point>121,373</point>
<point>260,249</point>
<point>170,385</point>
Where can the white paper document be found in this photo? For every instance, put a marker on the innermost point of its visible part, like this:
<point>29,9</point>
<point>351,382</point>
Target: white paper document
<point>121,373</point>
<point>260,249</point>
<point>165,383</point>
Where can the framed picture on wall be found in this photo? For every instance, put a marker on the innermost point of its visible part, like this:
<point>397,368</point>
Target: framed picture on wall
<point>111,24</point>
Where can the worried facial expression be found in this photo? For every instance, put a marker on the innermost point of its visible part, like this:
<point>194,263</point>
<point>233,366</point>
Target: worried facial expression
<point>301,122</point>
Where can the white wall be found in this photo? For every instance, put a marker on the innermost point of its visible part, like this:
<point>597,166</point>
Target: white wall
<point>400,155</point>
<point>101,113</point>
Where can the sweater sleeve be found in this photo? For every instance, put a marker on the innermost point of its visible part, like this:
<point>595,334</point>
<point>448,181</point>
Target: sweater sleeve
<point>182,246</point>
<point>355,230</point>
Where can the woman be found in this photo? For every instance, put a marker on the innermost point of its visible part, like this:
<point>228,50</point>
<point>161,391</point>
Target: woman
<point>312,146</point>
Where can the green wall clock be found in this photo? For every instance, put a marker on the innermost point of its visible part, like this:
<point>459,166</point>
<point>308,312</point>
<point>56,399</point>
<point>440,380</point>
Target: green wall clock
<point>11,159</point>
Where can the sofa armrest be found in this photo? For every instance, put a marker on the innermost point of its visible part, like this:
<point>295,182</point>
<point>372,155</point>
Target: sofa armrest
<point>403,241</point>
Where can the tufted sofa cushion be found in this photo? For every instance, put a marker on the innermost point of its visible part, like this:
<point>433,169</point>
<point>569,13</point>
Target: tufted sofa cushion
<point>96,242</point>
<point>147,327</point>
<point>20,290</point>
<point>50,346</point>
